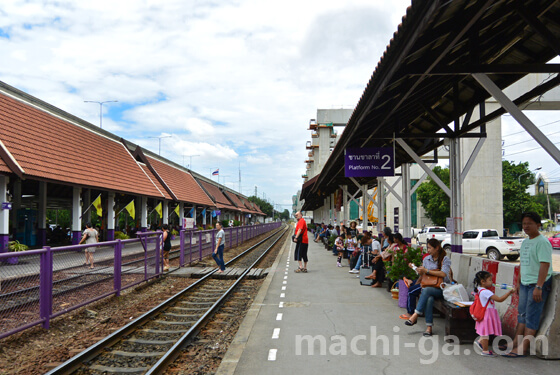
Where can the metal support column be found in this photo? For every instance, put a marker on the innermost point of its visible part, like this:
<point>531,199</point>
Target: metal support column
<point>455,182</point>
<point>76,215</point>
<point>381,203</point>
<point>406,202</point>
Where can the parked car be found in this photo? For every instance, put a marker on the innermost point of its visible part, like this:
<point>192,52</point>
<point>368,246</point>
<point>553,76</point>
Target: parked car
<point>487,241</point>
<point>439,233</point>
<point>555,241</point>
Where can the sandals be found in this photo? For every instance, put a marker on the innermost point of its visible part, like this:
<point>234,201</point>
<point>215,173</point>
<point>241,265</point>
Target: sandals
<point>304,270</point>
<point>427,334</point>
<point>410,323</point>
<point>298,270</point>
<point>489,354</point>
<point>404,317</point>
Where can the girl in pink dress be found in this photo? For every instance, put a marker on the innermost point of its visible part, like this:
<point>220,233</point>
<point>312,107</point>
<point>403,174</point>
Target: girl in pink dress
<point>491,324</point>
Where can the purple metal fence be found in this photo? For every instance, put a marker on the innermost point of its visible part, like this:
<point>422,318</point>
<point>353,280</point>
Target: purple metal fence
<point>39,285</point>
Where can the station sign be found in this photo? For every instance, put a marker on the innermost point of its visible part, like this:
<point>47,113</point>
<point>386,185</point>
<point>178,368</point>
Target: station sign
<point>369,162</point>
<point>6,205</point>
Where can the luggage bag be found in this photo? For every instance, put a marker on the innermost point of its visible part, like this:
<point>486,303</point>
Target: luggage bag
<point>365,270</point>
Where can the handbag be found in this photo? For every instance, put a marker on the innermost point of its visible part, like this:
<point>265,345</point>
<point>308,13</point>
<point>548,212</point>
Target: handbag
<point>431,281</point>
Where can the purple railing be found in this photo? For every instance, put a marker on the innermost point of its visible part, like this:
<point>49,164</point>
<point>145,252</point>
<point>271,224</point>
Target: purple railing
<point>39,285</point>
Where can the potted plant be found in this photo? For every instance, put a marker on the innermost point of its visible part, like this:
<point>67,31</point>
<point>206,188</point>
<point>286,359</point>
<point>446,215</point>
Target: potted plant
<point>398,268</point>
<point>15,246</point>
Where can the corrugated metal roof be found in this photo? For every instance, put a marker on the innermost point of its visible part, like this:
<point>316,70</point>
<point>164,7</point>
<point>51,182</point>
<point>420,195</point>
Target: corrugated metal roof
<point>423,80</point>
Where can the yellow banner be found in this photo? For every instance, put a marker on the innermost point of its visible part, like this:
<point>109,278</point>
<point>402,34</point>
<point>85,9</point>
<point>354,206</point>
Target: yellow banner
<point>131,210</point>
<point>177,210</point>
<point>158,209</point>
<point>98,206</point>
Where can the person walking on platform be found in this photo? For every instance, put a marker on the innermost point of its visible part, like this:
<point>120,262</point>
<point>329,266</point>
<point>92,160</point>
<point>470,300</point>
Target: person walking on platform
<point>302,243</point>
<point>218,253</point>
<point>166,247</point>
<point>90,236</point>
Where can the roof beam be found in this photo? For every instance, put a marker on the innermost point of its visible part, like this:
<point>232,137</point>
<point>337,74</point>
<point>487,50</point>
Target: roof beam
<point>490,69</point>
<point>533,21</point>
<point>448,46</point>
<point>518,115</point>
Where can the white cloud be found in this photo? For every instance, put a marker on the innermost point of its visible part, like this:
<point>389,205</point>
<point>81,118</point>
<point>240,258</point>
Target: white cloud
<point>225,78</point>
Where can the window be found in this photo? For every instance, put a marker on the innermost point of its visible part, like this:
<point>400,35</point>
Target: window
<point>489,233</point>
<point>469,235</point>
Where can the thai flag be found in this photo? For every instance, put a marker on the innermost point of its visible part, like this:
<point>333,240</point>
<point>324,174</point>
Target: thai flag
<point>216,172</point>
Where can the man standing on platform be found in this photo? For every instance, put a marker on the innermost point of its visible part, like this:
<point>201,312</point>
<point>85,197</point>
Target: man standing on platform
<point>302,243</point>
<point>218,253</point>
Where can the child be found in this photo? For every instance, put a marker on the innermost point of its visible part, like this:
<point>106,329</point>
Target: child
<point>339,245</point>
<point>351,245</point>
<point>491,324</point>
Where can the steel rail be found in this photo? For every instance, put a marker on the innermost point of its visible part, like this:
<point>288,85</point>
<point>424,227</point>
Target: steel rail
<point>95,350</point>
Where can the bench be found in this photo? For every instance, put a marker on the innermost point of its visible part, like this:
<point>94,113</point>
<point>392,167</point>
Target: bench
<point>458,321</point>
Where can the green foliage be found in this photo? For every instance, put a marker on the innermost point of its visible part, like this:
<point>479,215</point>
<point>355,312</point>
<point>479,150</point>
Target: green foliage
<point>433,199</point>
<point>332,238</point>
<point>264,205</point>
<point>225,223</point>
<point>121,236</point>
<point>15,246</point>
<point>398,268</point>
<point>59,217</point>
<point>174,232</point>
<point>515,198</point>
<point>285,215</point>
<point>542,200</point>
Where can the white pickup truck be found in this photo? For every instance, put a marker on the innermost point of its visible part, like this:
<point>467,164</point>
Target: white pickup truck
<point>487,241</point>
<point>439,233</point>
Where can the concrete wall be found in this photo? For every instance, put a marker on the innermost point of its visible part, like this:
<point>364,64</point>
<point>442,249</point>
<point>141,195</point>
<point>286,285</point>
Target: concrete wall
<point>482,189</point>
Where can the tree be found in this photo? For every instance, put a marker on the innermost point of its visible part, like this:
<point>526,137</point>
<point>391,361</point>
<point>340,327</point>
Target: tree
<point>516,200</point>
<point>285,215</point>
<point>554,205</point>
<point>434,200</point>
<point>264,205</point>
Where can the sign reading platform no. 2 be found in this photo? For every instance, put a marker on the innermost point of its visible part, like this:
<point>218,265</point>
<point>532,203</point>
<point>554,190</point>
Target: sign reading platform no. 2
<point>369,162</point>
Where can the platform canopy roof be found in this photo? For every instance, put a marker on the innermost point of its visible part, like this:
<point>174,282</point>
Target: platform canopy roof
<point>423,82</point>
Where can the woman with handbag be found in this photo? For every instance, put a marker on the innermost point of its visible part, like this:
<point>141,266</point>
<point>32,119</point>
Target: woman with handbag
<point>435,269</point>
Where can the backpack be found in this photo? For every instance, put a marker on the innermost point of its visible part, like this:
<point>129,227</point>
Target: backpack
<point>477,310</point>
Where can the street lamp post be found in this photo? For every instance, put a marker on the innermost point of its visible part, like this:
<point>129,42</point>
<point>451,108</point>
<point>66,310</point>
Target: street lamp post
<point>160,137</point>
<point>101,109</point>
<point>526,173</point>
<point>190,162</point>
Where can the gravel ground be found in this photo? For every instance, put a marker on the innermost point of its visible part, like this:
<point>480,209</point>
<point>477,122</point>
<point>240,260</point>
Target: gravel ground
<point>36,351</point>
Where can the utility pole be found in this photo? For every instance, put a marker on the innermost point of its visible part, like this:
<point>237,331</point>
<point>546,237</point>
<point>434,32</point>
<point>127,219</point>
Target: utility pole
<point>256,191</point>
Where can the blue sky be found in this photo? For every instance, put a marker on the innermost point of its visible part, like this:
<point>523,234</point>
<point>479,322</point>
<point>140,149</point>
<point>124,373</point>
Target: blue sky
<point>233,83</point>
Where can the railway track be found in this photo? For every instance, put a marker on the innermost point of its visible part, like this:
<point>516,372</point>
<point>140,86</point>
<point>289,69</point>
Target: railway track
<point>67,281</point>
<point>151,342</point>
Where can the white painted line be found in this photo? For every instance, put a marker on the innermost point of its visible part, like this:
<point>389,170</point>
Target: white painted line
<point>272,354</point>
<point>279,316</point>
<point>285,273</point>
<point>282,295</point>
<point>276,333</point>
<point>283,288</point>
<point>284,282</point>
<point>281,305</point>
<point>285,277</point>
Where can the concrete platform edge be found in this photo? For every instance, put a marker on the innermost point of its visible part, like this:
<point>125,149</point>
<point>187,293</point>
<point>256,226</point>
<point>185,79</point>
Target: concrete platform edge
<point>237,346</point>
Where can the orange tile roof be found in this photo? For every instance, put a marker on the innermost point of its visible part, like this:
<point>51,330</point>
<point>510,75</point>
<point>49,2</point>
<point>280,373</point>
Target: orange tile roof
<point>181,183</point>
<point>235,199</point>
<point>221,200</point>
<point>248,204</point>
<point>151,176</point>
<point>49,148</point>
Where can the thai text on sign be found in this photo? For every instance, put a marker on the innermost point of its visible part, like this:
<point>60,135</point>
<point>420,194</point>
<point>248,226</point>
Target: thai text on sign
<point>369,162</point>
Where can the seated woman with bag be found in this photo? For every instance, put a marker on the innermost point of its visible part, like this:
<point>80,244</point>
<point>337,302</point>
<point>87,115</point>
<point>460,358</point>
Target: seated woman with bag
<point>435,269</point>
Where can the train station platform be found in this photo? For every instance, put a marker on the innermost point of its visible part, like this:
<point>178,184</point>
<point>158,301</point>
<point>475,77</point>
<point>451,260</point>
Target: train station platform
<point>325,322</point>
